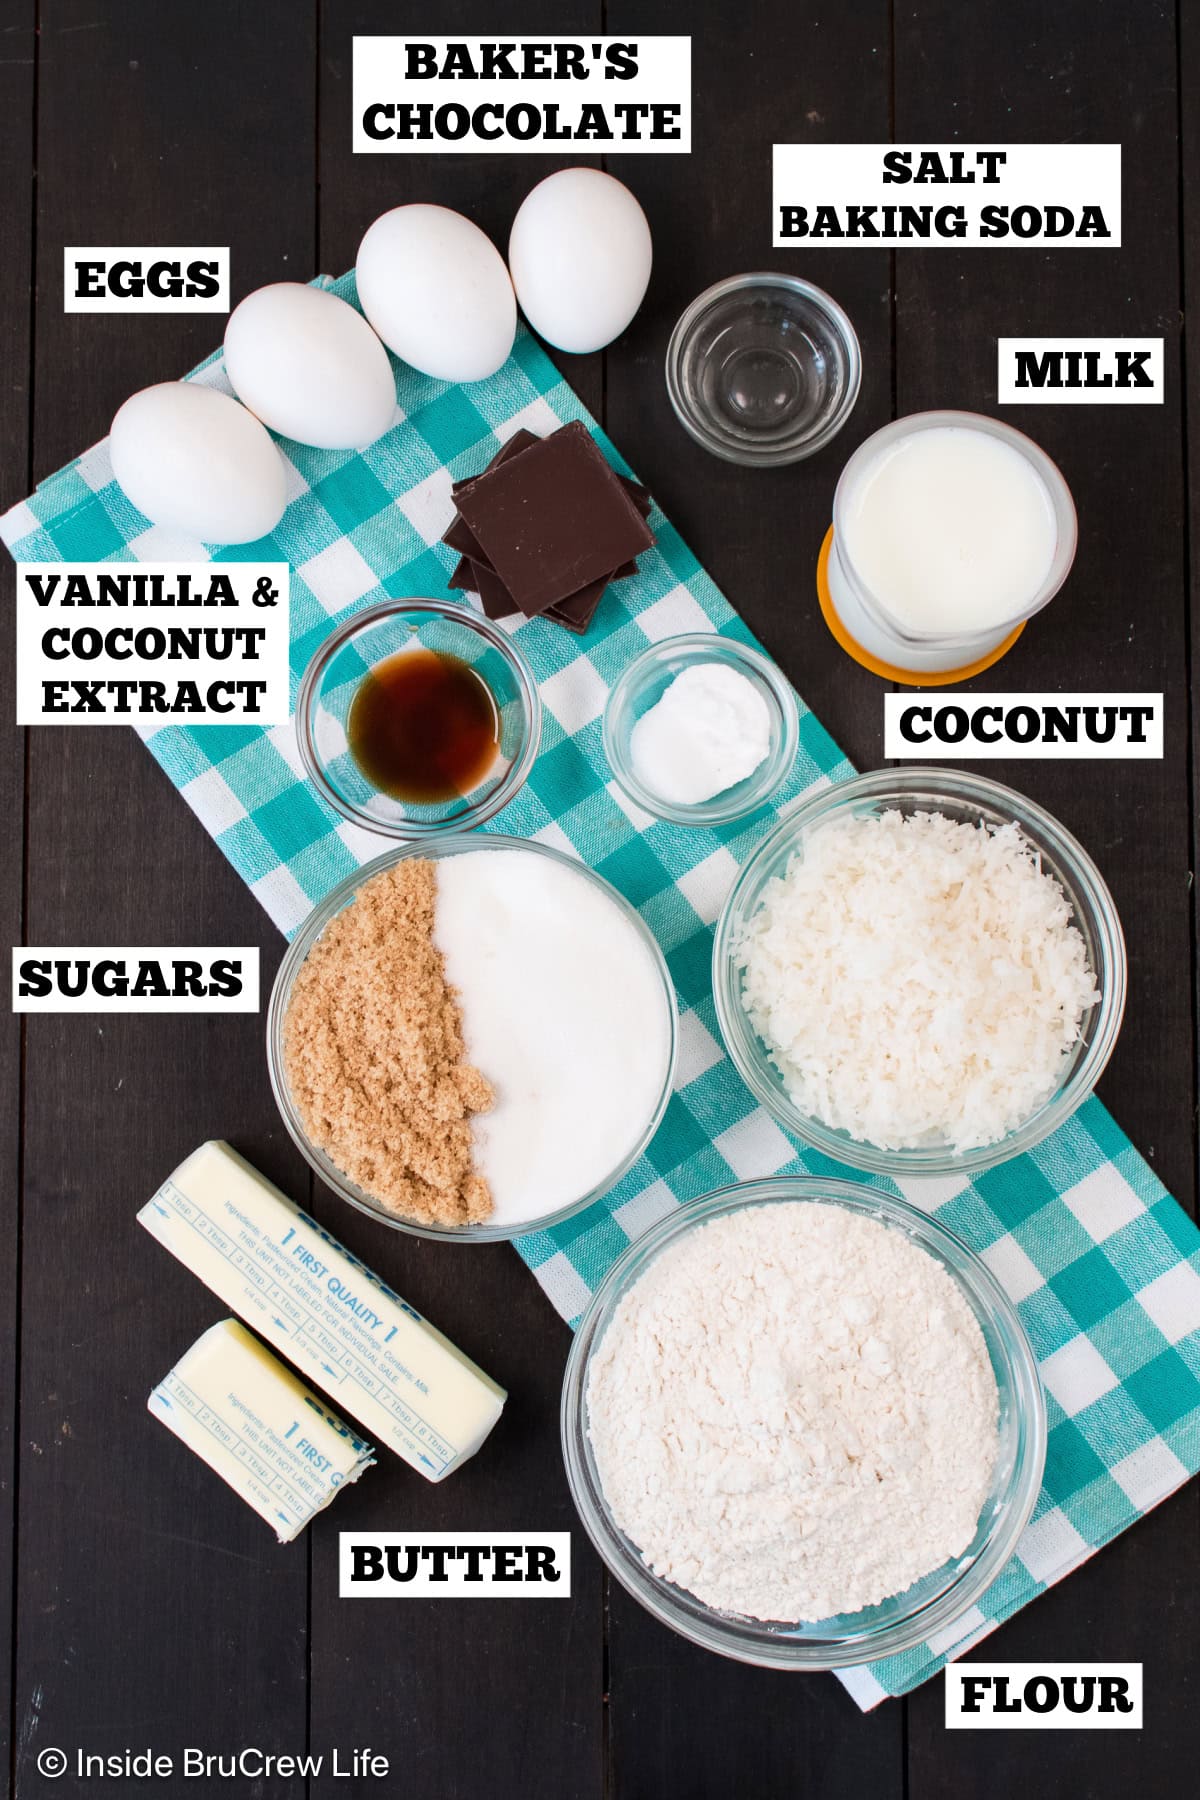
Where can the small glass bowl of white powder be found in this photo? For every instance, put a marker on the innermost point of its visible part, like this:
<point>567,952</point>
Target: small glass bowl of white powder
<point>700,729</point>
<point>793,1394</point>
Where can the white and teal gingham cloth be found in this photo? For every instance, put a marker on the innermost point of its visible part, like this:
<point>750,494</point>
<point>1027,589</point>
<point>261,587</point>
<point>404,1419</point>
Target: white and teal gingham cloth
<point>1103,1264</point>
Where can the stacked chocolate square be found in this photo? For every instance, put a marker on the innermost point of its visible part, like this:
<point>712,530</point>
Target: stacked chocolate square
<point>545,528</point>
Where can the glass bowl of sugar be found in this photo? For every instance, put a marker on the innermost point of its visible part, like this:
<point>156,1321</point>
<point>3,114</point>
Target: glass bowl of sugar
<point>700,729</point>
<point>512,962</point>
<point>670,1304</point>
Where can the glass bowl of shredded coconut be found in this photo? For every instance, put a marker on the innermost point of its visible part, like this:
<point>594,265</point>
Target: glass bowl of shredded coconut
<point>920,972</point>
<point>803,1424</point>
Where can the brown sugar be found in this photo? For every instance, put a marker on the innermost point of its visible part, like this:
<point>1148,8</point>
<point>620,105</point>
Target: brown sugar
<point>374,1057</point>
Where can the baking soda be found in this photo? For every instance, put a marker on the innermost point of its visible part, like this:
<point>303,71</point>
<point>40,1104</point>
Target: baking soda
<point>563,1007</point>
<point>710,730</point>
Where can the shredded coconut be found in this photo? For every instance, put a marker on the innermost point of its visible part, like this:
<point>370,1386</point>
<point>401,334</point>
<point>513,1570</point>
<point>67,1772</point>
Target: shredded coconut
<point>793,1413</point>
<point>917,980</point>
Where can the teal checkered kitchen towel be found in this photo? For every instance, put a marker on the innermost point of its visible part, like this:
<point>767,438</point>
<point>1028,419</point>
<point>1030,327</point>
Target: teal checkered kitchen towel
<point>1103,1264</point>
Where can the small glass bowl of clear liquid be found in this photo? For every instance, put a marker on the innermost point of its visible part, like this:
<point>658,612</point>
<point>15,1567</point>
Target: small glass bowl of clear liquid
<point>763,369</point>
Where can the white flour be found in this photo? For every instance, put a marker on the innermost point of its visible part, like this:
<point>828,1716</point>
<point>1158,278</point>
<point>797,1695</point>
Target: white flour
<point>793,1413</point>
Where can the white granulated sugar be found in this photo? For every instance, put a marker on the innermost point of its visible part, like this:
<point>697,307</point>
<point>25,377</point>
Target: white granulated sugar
<point>563,1011</point>
<point>916,980</point>
<point>710,730</point>
<point>793,1413</point>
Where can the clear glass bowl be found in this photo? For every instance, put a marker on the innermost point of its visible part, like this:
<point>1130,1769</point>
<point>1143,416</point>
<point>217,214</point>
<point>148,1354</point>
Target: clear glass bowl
<point>642,685</point>
<point>281,994</point>
<point>971,798</point>
<point>763,369</point>
<point>930,1605</point>
<point>333,676</point>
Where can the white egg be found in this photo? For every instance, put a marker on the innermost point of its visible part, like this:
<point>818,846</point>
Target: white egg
<point>192,459</point>
<point>437,292</point>
<point>579,255</point>
<point>310,367</point>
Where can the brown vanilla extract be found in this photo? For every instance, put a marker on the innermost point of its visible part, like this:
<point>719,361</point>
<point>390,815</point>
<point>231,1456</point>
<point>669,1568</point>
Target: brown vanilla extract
<point>423,727</point>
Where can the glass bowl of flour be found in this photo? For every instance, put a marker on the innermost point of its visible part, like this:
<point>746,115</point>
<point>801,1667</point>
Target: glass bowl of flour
<point>803,1424</point>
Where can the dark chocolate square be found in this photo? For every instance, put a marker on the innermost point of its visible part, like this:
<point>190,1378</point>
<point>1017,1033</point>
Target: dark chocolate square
<point>458,535</point>
<point>577,611</point>
<point>494,597</point>
<point>520,440</point>
<point>553,519</point>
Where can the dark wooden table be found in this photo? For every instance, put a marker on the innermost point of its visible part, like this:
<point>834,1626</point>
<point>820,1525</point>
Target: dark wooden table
<point>148,1608</point>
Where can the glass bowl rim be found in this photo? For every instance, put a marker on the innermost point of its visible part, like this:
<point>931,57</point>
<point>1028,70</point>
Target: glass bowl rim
<point>933,783</point>
<point>514,777</point>
<point>728,1635</point>
<point>710,646</point>
<point>306,936</point>
<point>792,450</point>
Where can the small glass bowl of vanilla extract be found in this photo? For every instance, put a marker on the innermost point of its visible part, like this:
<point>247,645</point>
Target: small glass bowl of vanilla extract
<point>417,717</point>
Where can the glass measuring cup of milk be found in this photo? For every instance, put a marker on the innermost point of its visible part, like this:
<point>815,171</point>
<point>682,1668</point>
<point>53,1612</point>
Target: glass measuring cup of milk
<point>950,529</point>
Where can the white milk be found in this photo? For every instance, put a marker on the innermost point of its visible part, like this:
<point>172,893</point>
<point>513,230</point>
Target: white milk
<point>951,529</point>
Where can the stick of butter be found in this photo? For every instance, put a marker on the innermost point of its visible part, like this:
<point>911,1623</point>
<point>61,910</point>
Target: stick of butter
<point>259,1428</point>
<point>325,1311</point>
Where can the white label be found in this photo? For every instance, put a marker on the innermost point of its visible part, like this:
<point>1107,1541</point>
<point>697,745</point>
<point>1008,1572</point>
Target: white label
<point>1080,371</point>
<point>933,195</point>
<point>1027,1696</point>
<point>978,727</point>
<point>146,278</point>
<point>158,643</point>
<point>512,95</point>
<point>123,978</point>
<point>458,1565</point>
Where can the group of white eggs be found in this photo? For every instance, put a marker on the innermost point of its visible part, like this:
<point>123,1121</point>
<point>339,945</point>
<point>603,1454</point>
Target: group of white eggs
<point>435,290</point>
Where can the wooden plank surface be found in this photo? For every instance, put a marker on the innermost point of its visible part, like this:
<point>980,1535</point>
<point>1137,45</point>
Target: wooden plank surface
<point>1118,624</point>
<point>152,1606</point>
<point>17,90</point>
<point>149,1608</point>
